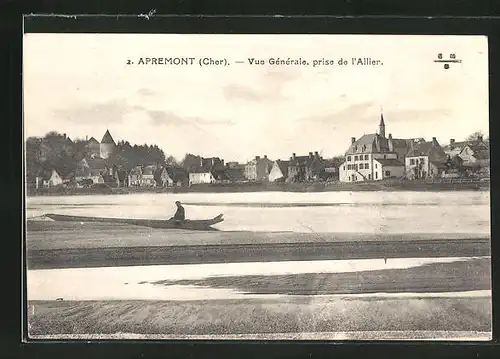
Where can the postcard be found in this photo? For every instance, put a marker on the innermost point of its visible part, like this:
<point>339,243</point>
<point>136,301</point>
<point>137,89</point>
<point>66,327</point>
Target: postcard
<point>264,187</point>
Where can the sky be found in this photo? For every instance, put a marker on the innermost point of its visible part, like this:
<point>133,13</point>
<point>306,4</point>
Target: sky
<point>81,85</point>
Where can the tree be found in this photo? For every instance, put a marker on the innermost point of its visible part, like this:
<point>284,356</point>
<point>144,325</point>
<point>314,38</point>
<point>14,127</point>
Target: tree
<point>474,136</point>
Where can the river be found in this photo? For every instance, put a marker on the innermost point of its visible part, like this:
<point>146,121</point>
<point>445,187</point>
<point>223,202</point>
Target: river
<point>348,212</point>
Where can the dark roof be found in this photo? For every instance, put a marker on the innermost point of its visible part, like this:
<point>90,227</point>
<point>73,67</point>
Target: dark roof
<point>47,174</point>
<point>92,141</point>
<point>107,138</point>
<point>176,173</point>
<point>368,144</point>
<point>482,155</point>
<point>400,143</point>
<point>149,170</point>
<point>220,174</point>
<point>283,166</point>
<point>389,162</point>
<point>439,164</point>
<point>473,144</point>
<point>304,160</point>
<point>235,173</point>
<point>432,149</point>
<point>260,160</point>
<point>136,170</point>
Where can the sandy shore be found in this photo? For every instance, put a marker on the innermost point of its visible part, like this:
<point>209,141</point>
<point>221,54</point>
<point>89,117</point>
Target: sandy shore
<point>72,245</point>
<point>233,317</point>
<point>305,306</point>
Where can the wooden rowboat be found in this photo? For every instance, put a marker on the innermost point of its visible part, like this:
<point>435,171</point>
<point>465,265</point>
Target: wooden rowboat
<point>199,225</point>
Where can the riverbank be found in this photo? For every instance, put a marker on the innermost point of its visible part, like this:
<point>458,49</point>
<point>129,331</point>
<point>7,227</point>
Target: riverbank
<point>73,245</point>
<point>386,185</point>
<point>283,317</point>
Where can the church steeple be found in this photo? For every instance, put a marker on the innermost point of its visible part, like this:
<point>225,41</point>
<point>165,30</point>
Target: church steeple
<point>381,127</point>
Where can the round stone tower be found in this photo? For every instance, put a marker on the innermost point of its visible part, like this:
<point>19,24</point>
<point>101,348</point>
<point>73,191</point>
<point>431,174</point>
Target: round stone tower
<point>107,146</point>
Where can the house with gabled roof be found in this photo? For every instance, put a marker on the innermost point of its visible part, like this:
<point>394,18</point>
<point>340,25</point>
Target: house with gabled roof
<point>279,171</point>
<point>48,179</point>
<point>200,176</point>
<point>94,147</point>
<point>258,168</point>
<point>163,177</point>
<point>474,153</point>
<point>305,168</point>
<point>235,172</point>
<point>375,157</point>
<point>425,160</point>
<point>147,177</point>
<point>134,176</point>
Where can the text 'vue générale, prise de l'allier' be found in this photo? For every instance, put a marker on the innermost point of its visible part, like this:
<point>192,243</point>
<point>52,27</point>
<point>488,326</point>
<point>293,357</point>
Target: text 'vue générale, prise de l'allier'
<point>253,61</point>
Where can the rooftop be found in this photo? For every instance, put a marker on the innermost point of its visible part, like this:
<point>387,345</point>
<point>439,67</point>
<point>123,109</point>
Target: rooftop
<point>389,162</point>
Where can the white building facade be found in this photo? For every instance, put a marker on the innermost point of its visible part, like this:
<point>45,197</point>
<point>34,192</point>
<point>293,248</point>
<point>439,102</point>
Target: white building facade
<point>201,177</point>
<point>372,158</point>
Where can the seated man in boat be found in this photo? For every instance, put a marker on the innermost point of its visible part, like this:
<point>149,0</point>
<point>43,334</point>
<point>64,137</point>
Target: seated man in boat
<point>180,214</point>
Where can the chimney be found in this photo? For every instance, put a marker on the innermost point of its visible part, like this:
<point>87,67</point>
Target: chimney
<point>265,156</point>
<point>64,135</point>
<point>434,141</point>
<point>310,155</point>
<point>257,158</point>
<point>86,138</point>
<point>353,139</point>
<point>213,161</point>
<point>293,156</point>
<point>480,138</point>
<point>391,146</point>
<point>201,161</point>
<point>222,161</point>
<point>316,154</point>
<point>452,141</point>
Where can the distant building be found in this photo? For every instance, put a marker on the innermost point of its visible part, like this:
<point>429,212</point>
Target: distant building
<point>94,147</point>
<point>147,177</point>
<point>134,176</point>
<point>201,176</point>
<point>375,157</point>
<point>425,160</point>
<point>107,146</point>
<point>305,168</point>
<point>474,153</point>
<point>48,179</point>
<point>235,172</point>
<point>279,171</point>
<point>258,169</point>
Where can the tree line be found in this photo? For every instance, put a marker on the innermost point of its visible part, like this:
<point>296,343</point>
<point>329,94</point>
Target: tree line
<point>56,151</point>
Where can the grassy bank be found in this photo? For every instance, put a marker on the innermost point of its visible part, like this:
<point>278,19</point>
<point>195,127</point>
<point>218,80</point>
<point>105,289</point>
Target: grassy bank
<point>294,315</point>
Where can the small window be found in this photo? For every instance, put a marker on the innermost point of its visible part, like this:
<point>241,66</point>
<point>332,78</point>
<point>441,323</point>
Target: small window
<point>355,158</point>
<point>376,175</point>
<point>369,176</point>
<point>412,161</point>
<point>367,165</point>
<point>348,158</point>
<point>343,167</point>
<point>366,157</point>
<point>376,166</point>
<point>385,156</point>
<point>360,166</point>
<point>387,173</point>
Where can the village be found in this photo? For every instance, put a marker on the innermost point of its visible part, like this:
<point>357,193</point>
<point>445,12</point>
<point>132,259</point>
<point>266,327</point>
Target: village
<point>372,157</point>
